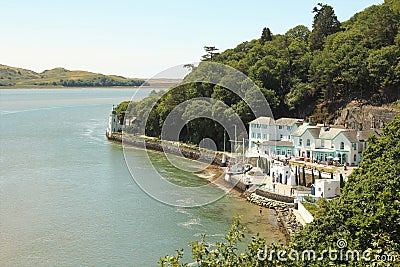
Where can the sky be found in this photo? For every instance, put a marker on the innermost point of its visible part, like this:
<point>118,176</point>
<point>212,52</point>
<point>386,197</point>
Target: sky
<point>139,39</point>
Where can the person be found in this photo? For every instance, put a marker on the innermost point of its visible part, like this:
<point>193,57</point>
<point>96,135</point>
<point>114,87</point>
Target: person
<point>260,211</point>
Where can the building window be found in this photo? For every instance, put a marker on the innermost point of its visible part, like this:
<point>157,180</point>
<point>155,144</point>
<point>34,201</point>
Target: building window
<point>258,135</point>
<point>300,142</point>
<point>280,127</point>
<point>254,135</point>
<point>308,142</point>
<point>281,136</point>
<point>322,143</point>
<point>341,145</point>
<point>265,136</point>
<point>354,145</point>
<point>289,128</point>
<point>278,151</point>
<point>355,158</point>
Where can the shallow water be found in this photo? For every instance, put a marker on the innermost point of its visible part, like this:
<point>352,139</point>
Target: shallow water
<point>68,199</point>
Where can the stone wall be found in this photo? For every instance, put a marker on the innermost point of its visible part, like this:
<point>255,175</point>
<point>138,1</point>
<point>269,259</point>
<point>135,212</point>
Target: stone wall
<point>168,147</point>
<point>273,196</point>
<point>284,212</point>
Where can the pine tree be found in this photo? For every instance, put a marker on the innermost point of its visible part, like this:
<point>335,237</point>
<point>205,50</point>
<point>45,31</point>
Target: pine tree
<point>325,23</point>
<point>266,36</point>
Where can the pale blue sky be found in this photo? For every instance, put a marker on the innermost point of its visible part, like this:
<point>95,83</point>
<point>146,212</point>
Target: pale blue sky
<point>141,38</point>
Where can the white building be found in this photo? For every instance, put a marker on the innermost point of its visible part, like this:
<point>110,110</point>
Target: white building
<point>327,188</point>
<point>269,137</point>
<point>283,174</point>
<point>113,123</point>
<point>322,143</point>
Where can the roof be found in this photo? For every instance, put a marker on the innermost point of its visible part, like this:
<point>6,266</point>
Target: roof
<point>277,143</point>
<point>351,135</point>
<point>304,127</point>
<point>287,121</point>
<point>365,134</point>
<point>263,120</point>
<point>314,131</point>
<point>330,132</point>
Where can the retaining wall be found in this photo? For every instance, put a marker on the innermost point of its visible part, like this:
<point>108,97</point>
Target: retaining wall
<point>168,147</point>
<point>304,213</point>
<point>273,196</point>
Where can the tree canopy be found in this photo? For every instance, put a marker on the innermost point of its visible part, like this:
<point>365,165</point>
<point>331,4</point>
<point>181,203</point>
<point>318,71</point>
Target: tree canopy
<point>305,72</point>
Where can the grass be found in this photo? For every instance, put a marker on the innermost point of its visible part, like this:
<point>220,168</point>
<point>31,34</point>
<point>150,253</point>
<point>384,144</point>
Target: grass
<point>312,208</point>
<point>60,77</point>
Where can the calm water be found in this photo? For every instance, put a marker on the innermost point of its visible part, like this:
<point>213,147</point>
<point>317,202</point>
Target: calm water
<point>67,197</point>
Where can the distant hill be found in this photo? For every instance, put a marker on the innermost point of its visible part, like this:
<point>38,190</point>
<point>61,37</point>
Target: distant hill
<point>60,77</point>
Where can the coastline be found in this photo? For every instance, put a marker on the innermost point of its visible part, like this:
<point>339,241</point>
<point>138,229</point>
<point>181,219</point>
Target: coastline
<point>287,224</point>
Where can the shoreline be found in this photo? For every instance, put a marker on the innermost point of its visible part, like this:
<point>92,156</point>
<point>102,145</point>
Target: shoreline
<point>287,224</point>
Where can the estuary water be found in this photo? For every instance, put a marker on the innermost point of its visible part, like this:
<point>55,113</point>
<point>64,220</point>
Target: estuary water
<point>68,199</point>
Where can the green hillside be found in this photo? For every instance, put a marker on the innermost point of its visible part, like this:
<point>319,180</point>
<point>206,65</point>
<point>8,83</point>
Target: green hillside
<point>17,77</point>
<point>301,73</point>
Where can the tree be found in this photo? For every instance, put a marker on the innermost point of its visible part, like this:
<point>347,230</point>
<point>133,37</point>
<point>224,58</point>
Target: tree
<point>266,36</point>
<point>210,53</point>
<point>341,181</point>
<point>313,177</point>
<point>304,182</point>
<point>325,23</point>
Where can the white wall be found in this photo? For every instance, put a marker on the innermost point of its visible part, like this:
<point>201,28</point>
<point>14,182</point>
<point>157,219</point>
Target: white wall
<point>326,188</point>
<point>304,213</point>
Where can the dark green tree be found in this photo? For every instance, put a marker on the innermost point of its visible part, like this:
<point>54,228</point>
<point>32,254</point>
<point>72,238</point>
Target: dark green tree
<point>325,23</point>
<point>210,53</point>
<point>266,36</point>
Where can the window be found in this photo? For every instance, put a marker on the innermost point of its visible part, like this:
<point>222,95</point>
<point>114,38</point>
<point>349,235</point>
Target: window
<point>355,158</point>
<point>281,136</point>
<point>341,145</point>
<point>300,142</point>
<point>289,128</point>
<point>254,135</point>
<point>278,151</point>
<point>308,142</point>
<point>354,145</point>
<point>322,143</point>
<point>289,152</point>
<point>258,135</point>
<point>280,127</point>
<point>265,136</point>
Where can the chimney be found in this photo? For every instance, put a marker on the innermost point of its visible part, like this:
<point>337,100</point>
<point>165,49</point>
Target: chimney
<point>373,123</point>
<point>346,125</point>
<point>360,126</point>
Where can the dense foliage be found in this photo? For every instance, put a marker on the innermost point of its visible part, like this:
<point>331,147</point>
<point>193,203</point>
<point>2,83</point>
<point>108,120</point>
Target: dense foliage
<point>302,72</point>
<point>366,216</point>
